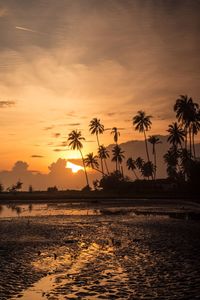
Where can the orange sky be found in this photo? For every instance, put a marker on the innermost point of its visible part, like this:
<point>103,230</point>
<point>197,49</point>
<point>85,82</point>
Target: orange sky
<point>64,62</point>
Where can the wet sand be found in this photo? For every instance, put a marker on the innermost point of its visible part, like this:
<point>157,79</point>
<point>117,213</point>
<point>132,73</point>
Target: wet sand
<point>99,257</point>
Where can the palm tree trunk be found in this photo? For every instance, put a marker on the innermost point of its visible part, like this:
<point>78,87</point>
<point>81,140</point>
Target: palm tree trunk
<point>190,137</point>
<point>122,171</point>
<point>145,139</point>
<point>155,163</point>
<point>106,166</point>
<point>86,176</point>
<point>135,174</point>
<point>100,157</point>
<point>194,152</point>
<point>185,137</point>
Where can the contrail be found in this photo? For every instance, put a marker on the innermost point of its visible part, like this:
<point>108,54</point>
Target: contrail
<point>26,29</point>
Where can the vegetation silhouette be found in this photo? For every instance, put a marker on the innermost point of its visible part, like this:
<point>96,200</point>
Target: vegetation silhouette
<point>75,139</point>
<point>95,127</point>
<point>154,140</point>
<point>182,163</point>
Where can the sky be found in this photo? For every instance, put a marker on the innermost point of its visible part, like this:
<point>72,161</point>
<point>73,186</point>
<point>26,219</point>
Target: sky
<point>64,62</point>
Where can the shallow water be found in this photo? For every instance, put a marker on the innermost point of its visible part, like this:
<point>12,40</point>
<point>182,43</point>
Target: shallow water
<point>63,280</point>
<point>33,210</point>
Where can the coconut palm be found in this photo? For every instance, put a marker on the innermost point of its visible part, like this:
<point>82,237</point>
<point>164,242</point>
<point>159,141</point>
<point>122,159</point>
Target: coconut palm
<point>148,169</point>
<point>139,162</point>
<point>171,159</point>
<point>95,127</point>
<point>195,127</point>
<point>91,161</point>
<point>176,134</point>
<point>143,123</point>
<point>75,139</point>
<point>185,162</point>
<point>131,166</point>
<point>117,157</point>
<point>116,134</point>
<point>185,110</point>
<point>154,140</point>
<point>103,154</point>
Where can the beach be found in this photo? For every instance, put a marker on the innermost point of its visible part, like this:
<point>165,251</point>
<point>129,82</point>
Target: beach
<point>109,255</point>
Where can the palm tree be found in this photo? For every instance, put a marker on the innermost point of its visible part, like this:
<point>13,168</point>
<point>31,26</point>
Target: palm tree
<point>131,165</point>
<point>185,110</point>
<point>103,154</point>
<point>176,134</point>
<point>75,139</point>
<point>154,140</point>
<point>143,124</point>
<point>91,160</point>
<point>171,159</point>
<point>147,169</point>
<point>116,134</point>
<point>117,157</point>
<point>95,127</point>
<point>186,162</point>
<point>139,162</point>
<point>195,127</point>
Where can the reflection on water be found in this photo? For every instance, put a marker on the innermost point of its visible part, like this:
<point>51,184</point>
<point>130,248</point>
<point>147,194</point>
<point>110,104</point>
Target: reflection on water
<point>31,210</point>
<point>64,279</point>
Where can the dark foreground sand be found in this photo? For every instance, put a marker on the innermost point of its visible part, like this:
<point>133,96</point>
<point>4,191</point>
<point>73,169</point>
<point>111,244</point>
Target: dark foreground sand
<point>101,257</point>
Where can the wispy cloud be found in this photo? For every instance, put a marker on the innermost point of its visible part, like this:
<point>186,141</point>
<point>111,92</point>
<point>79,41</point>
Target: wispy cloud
<point>63,144</point>
<point>74,124</point>
<point>59,150</point>
<point>4,104</point>
<point>3,12</point>
<point>36,156</point>
<point>56,135</point>
<point>48,127</point>
<point>26,29</point>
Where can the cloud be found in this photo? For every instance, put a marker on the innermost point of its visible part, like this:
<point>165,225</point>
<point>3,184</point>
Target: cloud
<point>63,144</point>
<point>4,104</point>
<point>59,150</point>
<point>73,124</point>
<point>56,135</point>
<point>25,29</point>
<point>48,127</point>
<point>3,12</point>
<point>36,156</point>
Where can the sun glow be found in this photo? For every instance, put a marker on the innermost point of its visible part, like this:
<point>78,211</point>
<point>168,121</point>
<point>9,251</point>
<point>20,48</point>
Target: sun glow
<point>75,168</point>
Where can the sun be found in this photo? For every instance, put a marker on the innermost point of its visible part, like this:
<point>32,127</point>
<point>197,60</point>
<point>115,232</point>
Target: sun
<point>75,168</point>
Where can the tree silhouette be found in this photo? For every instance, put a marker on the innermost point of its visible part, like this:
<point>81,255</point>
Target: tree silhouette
<point>103,154</point>
<point>185,110</point>
<point>116,134</point>
<point>75,139</point>
<point>176,134</point>
<point>147,169</point>
<point>95,127</point>
<point>154,140</point>
<point>195,127</point>
<point>139,163</point>
<point>171,159</point>
<point>143,123</point>
<point>118,156</point>
<point>131,165</point>
<point>91,161</point>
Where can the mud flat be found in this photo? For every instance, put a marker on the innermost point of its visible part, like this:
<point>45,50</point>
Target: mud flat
<point>117,256</point>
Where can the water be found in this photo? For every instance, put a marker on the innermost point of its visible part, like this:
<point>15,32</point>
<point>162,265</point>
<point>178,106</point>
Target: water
<point>33,210</point>
<point>56,285</point>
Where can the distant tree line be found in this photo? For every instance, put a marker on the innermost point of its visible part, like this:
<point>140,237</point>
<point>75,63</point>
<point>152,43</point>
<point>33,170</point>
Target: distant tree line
<point>180,159</point>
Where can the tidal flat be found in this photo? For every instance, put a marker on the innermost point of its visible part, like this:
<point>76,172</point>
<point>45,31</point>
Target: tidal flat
<point>99,256</point>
